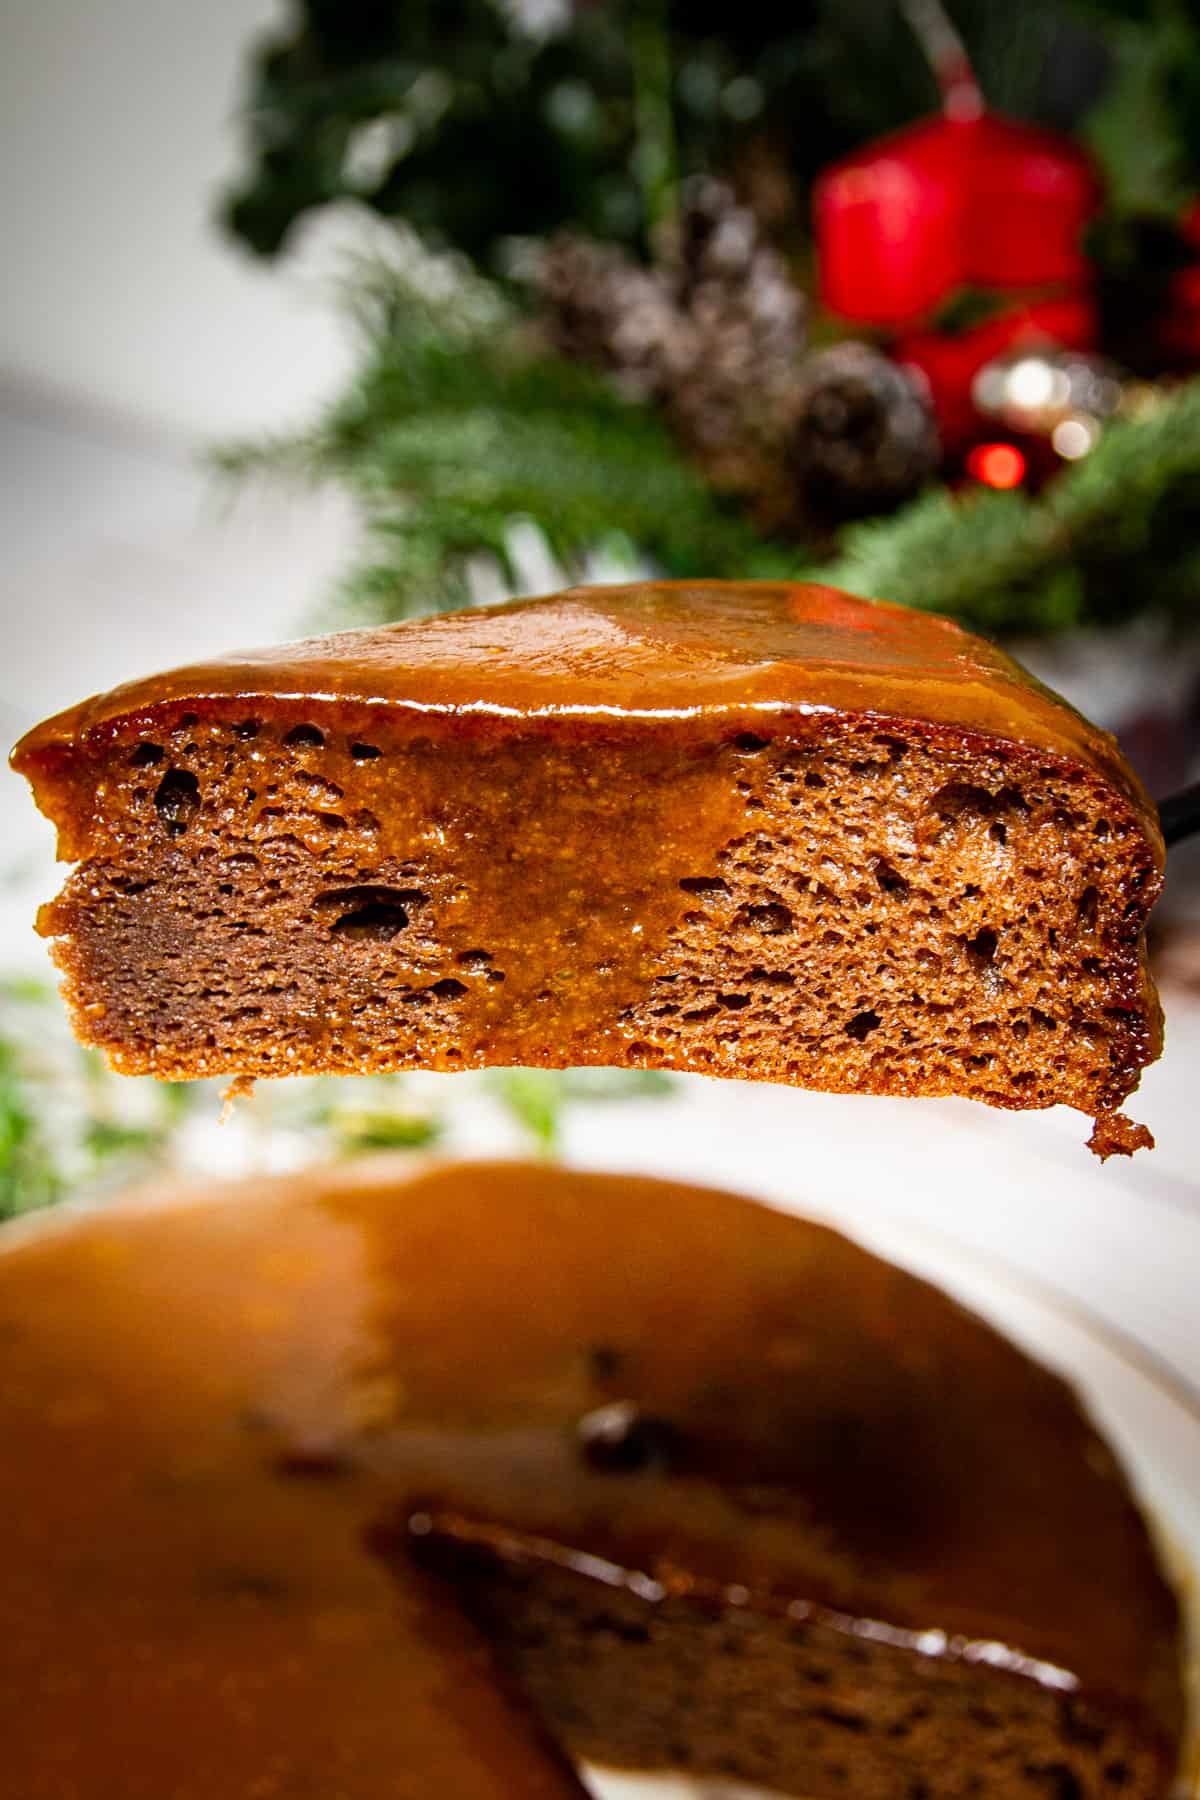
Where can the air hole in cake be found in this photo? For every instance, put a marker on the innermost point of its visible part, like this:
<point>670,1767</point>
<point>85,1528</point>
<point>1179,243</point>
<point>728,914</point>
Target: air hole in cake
<point>981,949</point>
<point>378,920</point>
<point>845,1721</point>
<point>1088,909</point>
<point>863,1024</point>
<point>813,780</point>
<point>145,755</point>
<point>704,884</point>
<point>621,1439</point>
<point>449,988</point>
<point>748,741</point>
<point>473,959</point>
<point>957,798</point>
<point>1061,1782</point>
<point>605,1362</point>
<point>889,878</point>
<point>365,752</point>
<point>734,1002</point>
<point>177,800</point>
<point>370,913</point>
<point>305,737</point>
<point>998,832</point>
<point>1082,1723</point>
<point>772,920</point>
<point>964,802</point>
<point>1101,828</point>
<point>246,729</point>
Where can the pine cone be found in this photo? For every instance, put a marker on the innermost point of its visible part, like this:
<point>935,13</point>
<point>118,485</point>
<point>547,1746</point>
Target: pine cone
<point>747,324</point>
<point>713,331</point>
<point>600,306</point>
<point>863,438</point>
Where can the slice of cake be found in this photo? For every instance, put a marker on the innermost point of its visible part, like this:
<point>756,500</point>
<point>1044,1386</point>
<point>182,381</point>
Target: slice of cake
<point>372,1486</point>
<point>756,830</point>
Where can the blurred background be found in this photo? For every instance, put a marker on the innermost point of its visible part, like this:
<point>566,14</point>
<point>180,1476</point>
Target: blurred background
<point>344,310</point>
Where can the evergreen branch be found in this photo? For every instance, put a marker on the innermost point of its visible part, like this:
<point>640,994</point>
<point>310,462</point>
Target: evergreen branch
<point>1107,537</point>
<point>70,1126</point>
<point>1134,131</point>
<point>459,424</point>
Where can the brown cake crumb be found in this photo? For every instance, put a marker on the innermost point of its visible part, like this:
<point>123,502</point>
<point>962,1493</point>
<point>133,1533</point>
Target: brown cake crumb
<point>1115,1135</point>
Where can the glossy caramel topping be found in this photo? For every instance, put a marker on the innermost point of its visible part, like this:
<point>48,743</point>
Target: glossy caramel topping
<point>682,651</point>
<point>211,1411</point>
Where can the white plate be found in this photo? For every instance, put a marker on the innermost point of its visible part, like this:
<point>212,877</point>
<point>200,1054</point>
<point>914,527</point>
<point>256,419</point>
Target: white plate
<point>1147,1412</point>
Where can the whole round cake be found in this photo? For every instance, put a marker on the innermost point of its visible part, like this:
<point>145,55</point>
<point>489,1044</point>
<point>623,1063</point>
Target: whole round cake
<point>377,1484</point>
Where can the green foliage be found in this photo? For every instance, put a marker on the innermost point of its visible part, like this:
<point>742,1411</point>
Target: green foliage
<point>538,1099</point>
<point>534,1098</point>
<point>69,1126</point>
<point>486,129</point>
<point>377,1113</point>
<point>458,424</point>
<point>29,1177</point>
<point>62,1126</point>
<point>1111,536</point>
<point>475,125</point>
<point>1137,134</point>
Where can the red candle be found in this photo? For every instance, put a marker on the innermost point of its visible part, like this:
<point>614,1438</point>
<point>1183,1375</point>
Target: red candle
<point>1030,194</point>
<point>952,200</point>
<point>888,224</point>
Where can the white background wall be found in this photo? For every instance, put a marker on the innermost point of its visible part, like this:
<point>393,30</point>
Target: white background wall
<point>117,132</point>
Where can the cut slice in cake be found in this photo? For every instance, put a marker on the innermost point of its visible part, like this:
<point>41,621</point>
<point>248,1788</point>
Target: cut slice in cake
<point>387,1486</point>
<point>758,830</point>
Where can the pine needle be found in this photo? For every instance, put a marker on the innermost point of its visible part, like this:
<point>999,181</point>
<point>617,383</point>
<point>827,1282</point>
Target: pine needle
<point>460,422</point>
